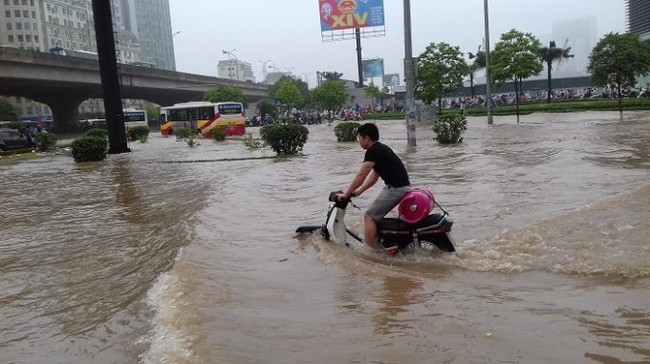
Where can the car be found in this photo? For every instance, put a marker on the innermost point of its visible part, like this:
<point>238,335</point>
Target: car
<point>12,139</point>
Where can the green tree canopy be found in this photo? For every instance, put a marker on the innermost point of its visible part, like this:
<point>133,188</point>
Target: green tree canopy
<point>617,60</point>
<point>548,55</point>
<point>8,111</point>
<point>440,70</point>
<point>303,87</point>
<point>515,57</point>
<point>329,95</point>
<point>289,93</point>
<point>373,92</point>
<point>266,106</point>
<point>224,93</point>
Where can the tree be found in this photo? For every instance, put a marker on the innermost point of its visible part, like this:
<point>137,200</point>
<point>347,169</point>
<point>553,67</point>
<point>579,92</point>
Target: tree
<point>266,107</point>
<point>331,76</point>
<point>289,93</point>
<point>224,93</point>
<point>302,86</point>
<point>373,92</point>
<point>549,55</point>
<point>477,64</point>
<point>153,113</point>
<point>515,57</point>
<point>329,95</point>
<point>617,60</point>
<point>8,111</point>
<point>440,70</point>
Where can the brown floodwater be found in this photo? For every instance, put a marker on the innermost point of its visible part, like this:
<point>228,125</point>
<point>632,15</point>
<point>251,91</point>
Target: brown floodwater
<point>172,254</point>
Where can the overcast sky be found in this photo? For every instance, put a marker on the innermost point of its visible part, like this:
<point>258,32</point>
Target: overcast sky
<point>287,32</point>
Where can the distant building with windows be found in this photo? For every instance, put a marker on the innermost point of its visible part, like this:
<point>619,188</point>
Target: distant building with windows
<point>235,69</point>
<point>142,33</point>
<point>150,22</point>
<point>638,17</point>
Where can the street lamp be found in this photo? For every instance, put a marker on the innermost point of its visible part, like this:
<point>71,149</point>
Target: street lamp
<point>264,69</point>
<point>231,54</point>
<point>176,33</point>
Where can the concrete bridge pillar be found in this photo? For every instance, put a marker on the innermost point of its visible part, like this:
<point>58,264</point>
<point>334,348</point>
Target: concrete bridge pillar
<point>65,110</point>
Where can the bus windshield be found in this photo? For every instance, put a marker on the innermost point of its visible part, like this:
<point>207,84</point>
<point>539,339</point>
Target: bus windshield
<point>229,108</point>
<point>135,117</point>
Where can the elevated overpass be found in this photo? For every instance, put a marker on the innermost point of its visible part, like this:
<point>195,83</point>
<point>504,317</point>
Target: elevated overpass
<point>62,83</point>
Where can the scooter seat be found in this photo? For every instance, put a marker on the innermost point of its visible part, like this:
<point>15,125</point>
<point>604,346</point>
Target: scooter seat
<point>431,222</point>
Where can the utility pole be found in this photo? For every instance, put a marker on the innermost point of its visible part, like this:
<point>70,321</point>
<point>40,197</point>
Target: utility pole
<point>488,79</point>
<point>109,76</point>
<point>357,34</point>
<point>409,75</point>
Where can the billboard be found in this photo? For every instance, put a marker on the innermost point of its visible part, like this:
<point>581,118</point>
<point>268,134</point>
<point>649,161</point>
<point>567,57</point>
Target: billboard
<point>373,67</point>
<point>350,14</point>
<point>391,79</point>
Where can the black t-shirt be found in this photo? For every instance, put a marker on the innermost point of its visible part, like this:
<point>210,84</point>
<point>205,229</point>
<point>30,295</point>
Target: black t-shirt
<point>387,165</point>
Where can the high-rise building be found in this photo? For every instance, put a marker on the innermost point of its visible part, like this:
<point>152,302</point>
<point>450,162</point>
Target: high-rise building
<point>150,21</point>
<point>44,24</point>
<point>580,35</point>
<point>638,17</point>
<point>142,33</point>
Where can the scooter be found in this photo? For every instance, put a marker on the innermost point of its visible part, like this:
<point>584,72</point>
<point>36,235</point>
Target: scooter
<point>394,234</point>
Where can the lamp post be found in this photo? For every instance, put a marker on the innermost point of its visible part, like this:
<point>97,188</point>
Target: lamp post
<point>409,77</point>
<point>230,56</point>
<point>264,69</point>
<point>488,81</point>
<point>176,33</point>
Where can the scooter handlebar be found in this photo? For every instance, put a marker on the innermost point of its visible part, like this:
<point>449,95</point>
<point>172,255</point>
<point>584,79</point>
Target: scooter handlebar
<point>334,196</point>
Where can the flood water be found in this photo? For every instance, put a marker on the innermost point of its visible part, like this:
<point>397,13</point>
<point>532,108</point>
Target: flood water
<point>172,254</point>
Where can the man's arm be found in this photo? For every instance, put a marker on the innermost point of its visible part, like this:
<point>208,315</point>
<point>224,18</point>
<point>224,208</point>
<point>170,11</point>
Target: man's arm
<point>370,181</point>
<point>366,168</point>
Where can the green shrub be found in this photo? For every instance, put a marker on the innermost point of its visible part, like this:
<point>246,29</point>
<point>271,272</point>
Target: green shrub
<point>89,149</point>
<point>138,132</point>
<point>346,132</point>
<point>45,141</point>
<point>219,134</point>
<point>251,142</point>
<point>182,133</point>
<point>190,141</point>
<point>97,132</point>
<point>285,139</point>
<point>449,128</point>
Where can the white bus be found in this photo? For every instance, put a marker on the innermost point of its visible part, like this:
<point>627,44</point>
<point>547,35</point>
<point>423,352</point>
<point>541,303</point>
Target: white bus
<point>203,116</point>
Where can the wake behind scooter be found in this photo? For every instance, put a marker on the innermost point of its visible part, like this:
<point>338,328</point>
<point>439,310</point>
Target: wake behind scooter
<point>394,234</point>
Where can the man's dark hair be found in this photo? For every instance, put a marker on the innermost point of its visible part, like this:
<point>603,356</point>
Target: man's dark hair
<point>370,130</point>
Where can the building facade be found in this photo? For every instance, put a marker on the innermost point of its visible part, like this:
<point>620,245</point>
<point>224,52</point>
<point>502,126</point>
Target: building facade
<point>234,69</point>
<point>150,22</point>
<point>142,33</point>
<point>638,16</point>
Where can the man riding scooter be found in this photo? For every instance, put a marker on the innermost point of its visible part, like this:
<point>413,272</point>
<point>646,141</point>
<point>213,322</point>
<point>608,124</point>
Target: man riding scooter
<point>379,161</point>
